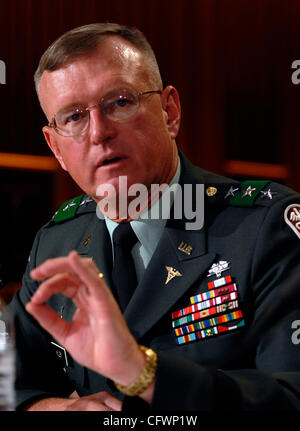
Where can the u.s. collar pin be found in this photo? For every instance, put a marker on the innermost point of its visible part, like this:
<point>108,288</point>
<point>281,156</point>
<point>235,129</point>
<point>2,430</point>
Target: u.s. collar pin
<point>185,248</point>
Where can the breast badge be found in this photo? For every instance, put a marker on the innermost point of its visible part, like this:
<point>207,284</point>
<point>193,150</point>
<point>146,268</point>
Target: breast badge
<point>210,313</point>
<point>218,268</point>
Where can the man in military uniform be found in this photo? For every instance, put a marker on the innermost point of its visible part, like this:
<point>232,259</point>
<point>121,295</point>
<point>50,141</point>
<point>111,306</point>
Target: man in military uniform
<point>214,306</point>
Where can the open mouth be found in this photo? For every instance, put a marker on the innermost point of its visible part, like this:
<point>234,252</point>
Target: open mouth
<point>110,161</point>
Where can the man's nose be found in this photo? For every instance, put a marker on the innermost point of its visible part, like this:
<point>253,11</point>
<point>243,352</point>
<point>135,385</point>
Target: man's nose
<point>101,128</point>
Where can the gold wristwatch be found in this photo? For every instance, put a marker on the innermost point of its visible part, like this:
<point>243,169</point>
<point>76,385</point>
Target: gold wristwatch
<point>146,375</point>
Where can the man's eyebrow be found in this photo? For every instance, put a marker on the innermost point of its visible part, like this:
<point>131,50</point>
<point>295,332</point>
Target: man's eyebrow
<point>84,105</point>
<point>71,105</point>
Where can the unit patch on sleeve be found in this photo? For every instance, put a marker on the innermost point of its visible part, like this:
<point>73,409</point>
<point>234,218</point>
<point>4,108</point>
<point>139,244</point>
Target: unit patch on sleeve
<point>292,218</point>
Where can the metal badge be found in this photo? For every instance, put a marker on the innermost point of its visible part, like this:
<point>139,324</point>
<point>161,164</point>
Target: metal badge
<point>85,202</point>
<point>172,272</point>
<point>268,194</point>
<point>248,191</point>
<point>86,241</point>
<point>231,192</point>
<point>217,268</point>
<point>69,206</point>
<point>185,248</point>
<point>211,191</point>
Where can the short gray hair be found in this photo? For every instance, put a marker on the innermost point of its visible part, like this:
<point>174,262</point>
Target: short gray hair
<point>84,40</point>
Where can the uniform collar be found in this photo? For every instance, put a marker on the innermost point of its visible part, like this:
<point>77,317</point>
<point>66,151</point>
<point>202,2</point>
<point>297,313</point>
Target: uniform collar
<point>147,230</point>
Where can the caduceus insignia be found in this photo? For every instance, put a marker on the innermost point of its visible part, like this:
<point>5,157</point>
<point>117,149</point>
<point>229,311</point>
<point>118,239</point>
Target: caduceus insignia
<point>172,272</point>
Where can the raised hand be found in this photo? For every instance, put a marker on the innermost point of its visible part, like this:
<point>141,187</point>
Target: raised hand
<point>97,337</point>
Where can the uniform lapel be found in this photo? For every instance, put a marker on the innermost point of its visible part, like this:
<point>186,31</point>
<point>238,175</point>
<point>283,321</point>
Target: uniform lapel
<point>154,298</point>
<point>99,248</point>
<point>95,244</point>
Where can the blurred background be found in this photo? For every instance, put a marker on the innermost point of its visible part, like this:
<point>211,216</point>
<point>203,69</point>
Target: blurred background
<point>230,60</point>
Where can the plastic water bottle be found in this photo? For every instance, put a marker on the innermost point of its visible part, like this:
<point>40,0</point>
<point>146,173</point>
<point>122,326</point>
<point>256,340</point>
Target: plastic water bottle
<point>7,360</point>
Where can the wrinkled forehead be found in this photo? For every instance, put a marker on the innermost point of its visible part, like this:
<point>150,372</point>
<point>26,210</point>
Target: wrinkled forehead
<point>114,59</point>
<point>112,52</point>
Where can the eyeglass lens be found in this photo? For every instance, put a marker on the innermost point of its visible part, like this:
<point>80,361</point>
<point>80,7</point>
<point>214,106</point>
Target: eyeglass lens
<point>117,106</point>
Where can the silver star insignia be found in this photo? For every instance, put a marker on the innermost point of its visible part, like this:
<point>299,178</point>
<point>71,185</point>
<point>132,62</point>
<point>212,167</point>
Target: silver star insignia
<point>248,191</point>
<point>85,202</point>
<point>268,194</point>
<point>69,206</point>
<point>231,192</point>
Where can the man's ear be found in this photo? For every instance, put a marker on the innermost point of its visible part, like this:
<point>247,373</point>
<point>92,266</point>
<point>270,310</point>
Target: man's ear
<point>171,106</point>
<point>53,145</point>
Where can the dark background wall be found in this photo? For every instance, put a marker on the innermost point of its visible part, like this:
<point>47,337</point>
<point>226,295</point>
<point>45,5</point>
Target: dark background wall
<point>230,60</point>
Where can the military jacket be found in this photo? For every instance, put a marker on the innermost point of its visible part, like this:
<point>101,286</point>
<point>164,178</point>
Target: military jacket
<point>219,304</point>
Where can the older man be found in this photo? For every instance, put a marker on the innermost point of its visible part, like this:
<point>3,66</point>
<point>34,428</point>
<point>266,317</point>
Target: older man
<point>207,303</point>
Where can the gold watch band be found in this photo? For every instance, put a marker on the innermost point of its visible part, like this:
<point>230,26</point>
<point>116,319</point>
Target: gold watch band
<point>146,376</point>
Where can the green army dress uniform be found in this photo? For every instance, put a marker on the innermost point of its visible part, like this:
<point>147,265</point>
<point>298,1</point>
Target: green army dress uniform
<point>222,328</point>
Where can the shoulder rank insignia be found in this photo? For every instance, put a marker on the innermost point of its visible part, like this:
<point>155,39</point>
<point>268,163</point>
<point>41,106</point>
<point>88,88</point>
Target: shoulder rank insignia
<point>249,190</point>
<point>68,209</point>
<point>231,192</point>
<point>268,193</point>
<point>85,201</point>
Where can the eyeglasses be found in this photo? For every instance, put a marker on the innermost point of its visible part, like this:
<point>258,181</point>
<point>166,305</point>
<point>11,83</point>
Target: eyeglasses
<point>117,105</point>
